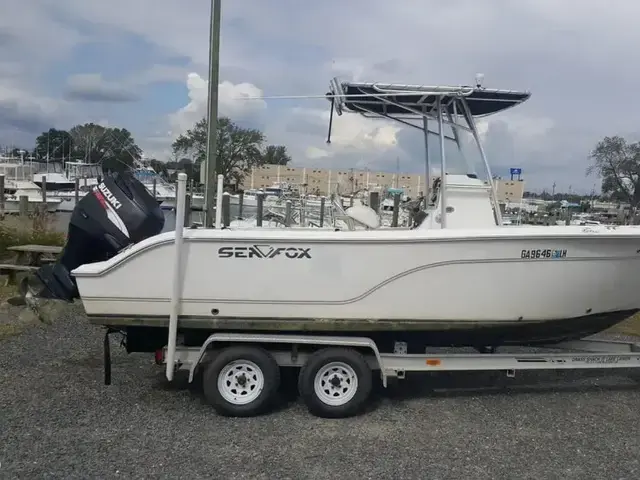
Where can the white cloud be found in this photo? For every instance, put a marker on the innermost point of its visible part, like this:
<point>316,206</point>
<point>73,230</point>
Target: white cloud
<point>566,52</point>
<point>314,153</point>
<point>526,128</point>
<point>91,87</point>
<point>232,102</point>
<point>350,132</point>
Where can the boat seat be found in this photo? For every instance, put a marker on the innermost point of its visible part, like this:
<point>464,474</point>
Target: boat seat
<point>364,215</point>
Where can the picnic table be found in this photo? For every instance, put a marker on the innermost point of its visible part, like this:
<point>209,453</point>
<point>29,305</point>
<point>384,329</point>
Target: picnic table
<point>28,259</point>
<point>35,255</point>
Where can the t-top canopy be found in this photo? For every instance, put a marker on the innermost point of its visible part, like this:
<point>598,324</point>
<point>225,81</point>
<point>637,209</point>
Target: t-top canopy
<point>390,100</point>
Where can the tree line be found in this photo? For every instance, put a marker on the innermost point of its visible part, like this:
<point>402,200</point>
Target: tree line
<point>617,163</point>
<point>614,160</point>
<point>239,149</point>
<point>116,149</point>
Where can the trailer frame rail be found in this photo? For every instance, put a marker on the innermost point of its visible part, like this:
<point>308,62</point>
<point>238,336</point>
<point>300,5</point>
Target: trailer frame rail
<point>583,354</point>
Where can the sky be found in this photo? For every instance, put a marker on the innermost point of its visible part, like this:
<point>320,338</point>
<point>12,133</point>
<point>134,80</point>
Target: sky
<point>143,65</point>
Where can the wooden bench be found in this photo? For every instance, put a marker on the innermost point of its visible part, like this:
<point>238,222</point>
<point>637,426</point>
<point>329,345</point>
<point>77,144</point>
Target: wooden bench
<point>11,271</point>
<point>35,255</point>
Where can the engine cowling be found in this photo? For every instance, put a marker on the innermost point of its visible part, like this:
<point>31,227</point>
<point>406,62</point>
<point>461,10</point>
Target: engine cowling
<point>118,212</point>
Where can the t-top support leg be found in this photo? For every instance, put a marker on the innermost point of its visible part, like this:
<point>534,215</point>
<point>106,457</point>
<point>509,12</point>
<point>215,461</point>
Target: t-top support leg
<point>476,136</point>
<point>443,169</point>
<point>427,166</point>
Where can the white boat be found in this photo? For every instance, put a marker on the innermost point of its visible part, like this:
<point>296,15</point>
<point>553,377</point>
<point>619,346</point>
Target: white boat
<point>164,191</point>
<point>60,180</point>
<point>34,198</point>
<point>60,176</point>
<point>459,277</point>
<point>250,199</point>
<point>17,184</point>
<point>67,199</point>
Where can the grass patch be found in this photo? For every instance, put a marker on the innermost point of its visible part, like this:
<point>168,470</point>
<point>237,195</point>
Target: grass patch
<point>7,291</point>
<point>8,330</point>
<point>36,228</point>
<point>631,326</point>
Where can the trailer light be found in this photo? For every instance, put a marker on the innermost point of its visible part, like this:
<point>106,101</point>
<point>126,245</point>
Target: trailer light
<point>433,362</point>
<point>160,356</point>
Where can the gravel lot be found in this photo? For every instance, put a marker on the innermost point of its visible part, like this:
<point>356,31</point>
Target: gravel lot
<point>57,420</point>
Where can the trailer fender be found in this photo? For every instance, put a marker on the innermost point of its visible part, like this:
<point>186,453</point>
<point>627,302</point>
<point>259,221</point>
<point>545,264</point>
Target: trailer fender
<point>360,342</point>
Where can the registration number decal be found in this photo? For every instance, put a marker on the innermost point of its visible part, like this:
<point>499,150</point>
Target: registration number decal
<point>543,253</point>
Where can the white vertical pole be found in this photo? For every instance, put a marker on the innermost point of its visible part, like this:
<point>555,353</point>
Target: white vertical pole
<point>177,281</point>
<point>427,164</point>
<point>219,201</point>
<point>443,170</point>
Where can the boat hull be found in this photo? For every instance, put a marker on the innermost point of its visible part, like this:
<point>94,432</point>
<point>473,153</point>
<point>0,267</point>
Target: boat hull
<point>197,203</point>
<point>56,186</point>
<point>451,281</point>
<point>68,200</point>
<point>13,206</point>
<point>150,333</point>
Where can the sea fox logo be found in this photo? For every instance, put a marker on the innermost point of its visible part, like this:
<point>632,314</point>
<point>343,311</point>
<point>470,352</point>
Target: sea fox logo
<point>110,196</point>
<point>263,251</point>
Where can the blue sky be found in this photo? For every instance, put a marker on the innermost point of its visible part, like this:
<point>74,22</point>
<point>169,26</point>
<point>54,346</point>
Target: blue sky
<point>143,65</point>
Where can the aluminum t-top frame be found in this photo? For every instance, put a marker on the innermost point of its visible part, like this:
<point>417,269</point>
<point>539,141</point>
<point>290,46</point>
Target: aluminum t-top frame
<point>415,105</point>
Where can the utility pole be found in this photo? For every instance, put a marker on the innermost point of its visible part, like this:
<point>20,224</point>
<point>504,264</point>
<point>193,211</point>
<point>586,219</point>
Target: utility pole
<point>212,163</point>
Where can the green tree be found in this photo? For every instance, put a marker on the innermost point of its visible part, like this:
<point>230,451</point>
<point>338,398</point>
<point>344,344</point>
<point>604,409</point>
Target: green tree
<point>238,148</point>
<point>617,163</point>
<point>159,166</point>
<point>275,155</point>
<point>114,148</point>
<point>187,166</point>
<point>54,144</point>
<point>18,152</point>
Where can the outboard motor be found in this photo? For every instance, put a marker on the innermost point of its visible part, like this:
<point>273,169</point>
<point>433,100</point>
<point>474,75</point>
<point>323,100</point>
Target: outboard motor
<point>118,212</point>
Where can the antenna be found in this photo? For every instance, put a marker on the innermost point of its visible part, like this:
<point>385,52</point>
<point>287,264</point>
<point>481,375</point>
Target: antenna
<point>479,79</point>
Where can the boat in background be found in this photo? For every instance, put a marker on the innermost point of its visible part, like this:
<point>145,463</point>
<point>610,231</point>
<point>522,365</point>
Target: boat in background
<point>163,191</point>
<point>61,176</point>
<point>18,183</point>
<point>17,189</point>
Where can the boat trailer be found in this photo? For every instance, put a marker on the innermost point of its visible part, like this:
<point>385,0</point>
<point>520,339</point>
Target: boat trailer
<point>241,372</point>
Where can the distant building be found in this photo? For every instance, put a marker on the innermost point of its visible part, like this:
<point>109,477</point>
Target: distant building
<point>509,191</point>
<point>323,181</point>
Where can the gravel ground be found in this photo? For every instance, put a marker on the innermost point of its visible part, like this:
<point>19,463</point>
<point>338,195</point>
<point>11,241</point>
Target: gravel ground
<point>57,420</point>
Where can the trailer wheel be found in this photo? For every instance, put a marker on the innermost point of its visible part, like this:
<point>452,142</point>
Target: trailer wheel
<point>241,381</point>
<point>335,382</point>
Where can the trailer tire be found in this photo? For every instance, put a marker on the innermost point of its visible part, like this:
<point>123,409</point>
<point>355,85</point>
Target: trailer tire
<point>241,381</point>
<point>350,392</point>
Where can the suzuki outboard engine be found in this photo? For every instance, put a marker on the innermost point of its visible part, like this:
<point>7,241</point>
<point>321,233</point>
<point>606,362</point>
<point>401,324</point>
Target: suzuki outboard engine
<point>118,212</point>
